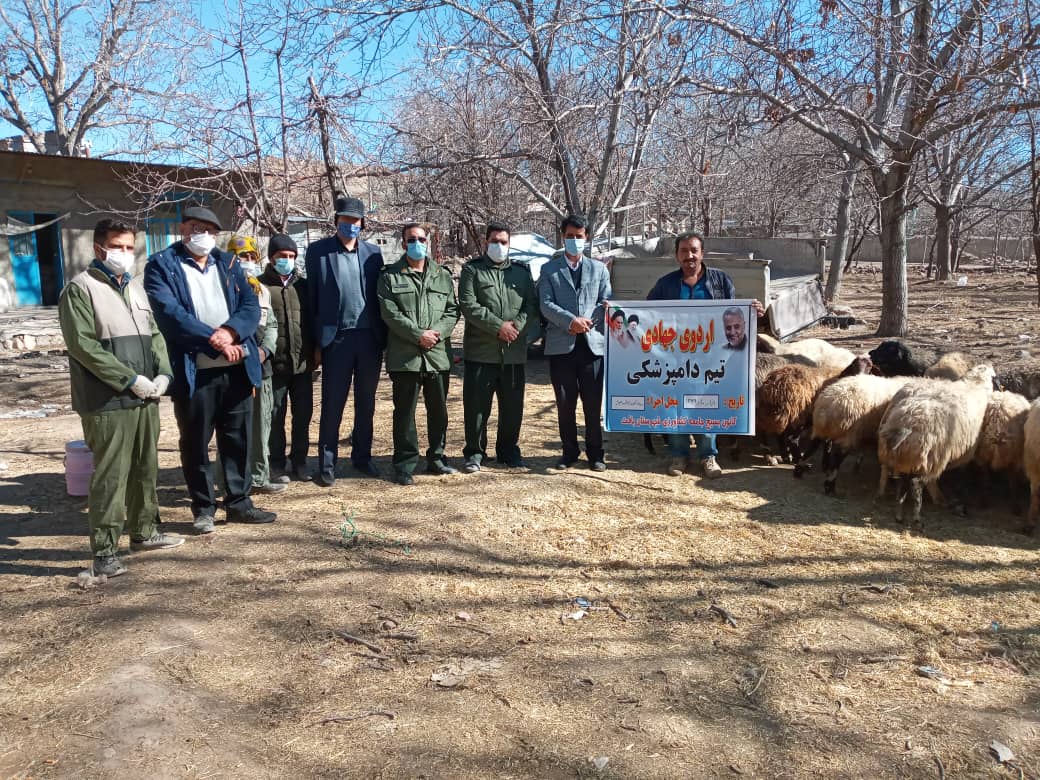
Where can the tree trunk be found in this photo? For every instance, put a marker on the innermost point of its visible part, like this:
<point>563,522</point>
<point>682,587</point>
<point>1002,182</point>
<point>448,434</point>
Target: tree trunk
<point>943,243</point>
<point>841,231</point>
<point>892,189</point>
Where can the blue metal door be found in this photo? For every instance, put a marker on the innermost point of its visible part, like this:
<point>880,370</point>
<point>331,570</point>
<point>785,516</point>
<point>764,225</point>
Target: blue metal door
<point>25,261</point>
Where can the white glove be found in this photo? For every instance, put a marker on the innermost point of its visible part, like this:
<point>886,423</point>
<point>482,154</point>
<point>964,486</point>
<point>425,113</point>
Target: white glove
<point>143,387</point>
<point>162,384</point>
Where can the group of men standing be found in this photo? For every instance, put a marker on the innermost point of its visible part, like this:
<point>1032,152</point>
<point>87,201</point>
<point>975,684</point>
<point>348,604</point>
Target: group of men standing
<point>235,343</point>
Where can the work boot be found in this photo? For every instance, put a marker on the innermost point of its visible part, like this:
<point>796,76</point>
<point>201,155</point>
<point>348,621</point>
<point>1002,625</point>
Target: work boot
<point>156,541</point>
<point>109,565</point>
<point>711,467</point>
<point>677,467</point>
<point>401,478</point>
<point>441,468</point>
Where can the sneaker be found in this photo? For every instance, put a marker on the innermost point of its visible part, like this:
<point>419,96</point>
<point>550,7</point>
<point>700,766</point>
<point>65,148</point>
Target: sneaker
<point>156,541</point>
<point>204,524</point>
<point>270,488</point>
<point>598,465</point>
<point>281,479</point>
<point>253,516</point>
<point>711,467</point>
<point>565,463</point>
<point>677,467</point>
<point>403,479</point>
<point>369,469</point>
<point>109,565</point>
<point>471,466</point>
<point>441,468</point>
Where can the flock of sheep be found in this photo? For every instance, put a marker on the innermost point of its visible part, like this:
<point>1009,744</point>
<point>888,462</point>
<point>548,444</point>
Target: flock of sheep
<point>924,413</point>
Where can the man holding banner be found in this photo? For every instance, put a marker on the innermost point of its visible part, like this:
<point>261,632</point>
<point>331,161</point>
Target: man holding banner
<point>694,281</point>
<point>707,389</point>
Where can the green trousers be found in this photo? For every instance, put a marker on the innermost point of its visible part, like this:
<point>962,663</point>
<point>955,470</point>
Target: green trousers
<point>481,383</point>
<point>434,388</point>
<point>125,443</point>
<point>263,410</point>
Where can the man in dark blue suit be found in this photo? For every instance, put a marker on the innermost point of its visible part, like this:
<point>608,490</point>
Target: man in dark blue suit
<point>209,316</point>
<point>349,335</point>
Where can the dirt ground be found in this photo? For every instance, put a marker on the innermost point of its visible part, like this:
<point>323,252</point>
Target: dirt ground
<point>225,657</point>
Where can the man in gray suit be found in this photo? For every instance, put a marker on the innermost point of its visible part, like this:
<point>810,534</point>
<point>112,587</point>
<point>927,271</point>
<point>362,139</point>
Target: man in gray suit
<point>571,292</point>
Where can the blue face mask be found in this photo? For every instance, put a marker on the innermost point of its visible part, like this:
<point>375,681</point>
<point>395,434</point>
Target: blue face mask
<point>285,265</point>
<point>416,251</point>
<point>348,230</point>
<point>574,246</point>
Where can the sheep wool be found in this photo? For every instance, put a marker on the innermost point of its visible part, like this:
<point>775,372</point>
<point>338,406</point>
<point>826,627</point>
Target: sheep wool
<point>952,365</point>
<point>1003,435</point>
<point>929,427</point>
<point>821,353</point>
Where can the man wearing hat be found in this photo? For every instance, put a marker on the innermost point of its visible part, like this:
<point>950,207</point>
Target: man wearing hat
<point>349,335</point>
<point>292,363</point>
<point>209,317</point>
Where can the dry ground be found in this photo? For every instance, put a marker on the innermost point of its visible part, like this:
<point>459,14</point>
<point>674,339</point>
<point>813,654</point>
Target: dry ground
<point>221,658</point>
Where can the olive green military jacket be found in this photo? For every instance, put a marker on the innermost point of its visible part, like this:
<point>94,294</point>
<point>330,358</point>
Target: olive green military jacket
<point>489,295</point>
<point>410,303</point>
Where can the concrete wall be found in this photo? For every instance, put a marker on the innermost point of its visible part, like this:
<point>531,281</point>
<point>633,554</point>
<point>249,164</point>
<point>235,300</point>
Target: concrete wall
<point>87,189</point>
<point>1012,248</point>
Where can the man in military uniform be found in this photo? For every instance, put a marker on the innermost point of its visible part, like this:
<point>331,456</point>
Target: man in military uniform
<point>500,304</point>
<point>418,304</point>
<point>118,367</point>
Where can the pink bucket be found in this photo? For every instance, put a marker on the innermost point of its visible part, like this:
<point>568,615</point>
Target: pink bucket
<point>79,467</point>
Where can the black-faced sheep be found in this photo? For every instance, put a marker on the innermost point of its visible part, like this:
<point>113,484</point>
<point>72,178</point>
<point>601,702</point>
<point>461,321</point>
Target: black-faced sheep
<point>930,426</point>
<point>785,401</point>
<point>1024,380</point>
<point>895,358</point>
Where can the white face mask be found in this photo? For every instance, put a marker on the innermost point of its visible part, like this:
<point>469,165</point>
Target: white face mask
<point>118,261</point>
<point>248,268</point>
<point>201,243</point>
<point>498,253</point>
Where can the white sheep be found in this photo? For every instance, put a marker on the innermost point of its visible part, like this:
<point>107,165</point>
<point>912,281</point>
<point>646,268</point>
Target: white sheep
<point>930,426</point>
<point>952,365</point>
<point>1031,461</point>
<point>818,351</point>
<point>1001,444</point>
<point>847,415</point>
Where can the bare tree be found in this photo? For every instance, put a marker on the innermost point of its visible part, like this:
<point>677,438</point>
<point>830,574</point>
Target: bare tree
<point>81,68</point>
<point>878,81</point>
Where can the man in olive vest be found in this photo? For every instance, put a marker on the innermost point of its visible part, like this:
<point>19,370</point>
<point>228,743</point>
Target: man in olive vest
<point>293,362</point>
<point>500,304</point>
<point>417,302</point>
<point>118,368</point>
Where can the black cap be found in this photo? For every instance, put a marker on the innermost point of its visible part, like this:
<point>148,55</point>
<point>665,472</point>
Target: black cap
<point>279,243</point>
<point>350,207</point>
<point>202,214</point>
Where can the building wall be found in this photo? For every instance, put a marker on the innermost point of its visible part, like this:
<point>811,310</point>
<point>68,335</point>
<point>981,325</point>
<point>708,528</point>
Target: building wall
<point>87,190</point>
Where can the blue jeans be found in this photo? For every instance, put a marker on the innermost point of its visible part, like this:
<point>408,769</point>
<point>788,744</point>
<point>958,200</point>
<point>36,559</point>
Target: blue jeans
<point>679,445</point>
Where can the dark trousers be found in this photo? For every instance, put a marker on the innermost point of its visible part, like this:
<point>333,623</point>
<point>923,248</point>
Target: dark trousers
<point>578,374</point>
<point>297,389</point>
<point>434,388</point>
<point>481,383</point>
<point>354,356</point>
<point>223,402</point>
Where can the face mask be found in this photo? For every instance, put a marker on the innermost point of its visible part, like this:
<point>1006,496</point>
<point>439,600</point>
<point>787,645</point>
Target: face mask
<point>285,265</point>
<point>201,243</point>
<point>574,246</point>
<point>416,251</point>
<point>498,253</point>
<point>349,230</point>
<point>118,262</point>
<point>248,268</point>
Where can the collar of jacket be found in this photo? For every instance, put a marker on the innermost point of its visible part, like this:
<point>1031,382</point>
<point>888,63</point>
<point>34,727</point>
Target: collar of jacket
<point>119,285</point>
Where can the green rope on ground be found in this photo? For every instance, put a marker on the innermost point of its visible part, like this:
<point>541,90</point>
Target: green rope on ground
<point>351,534</point>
